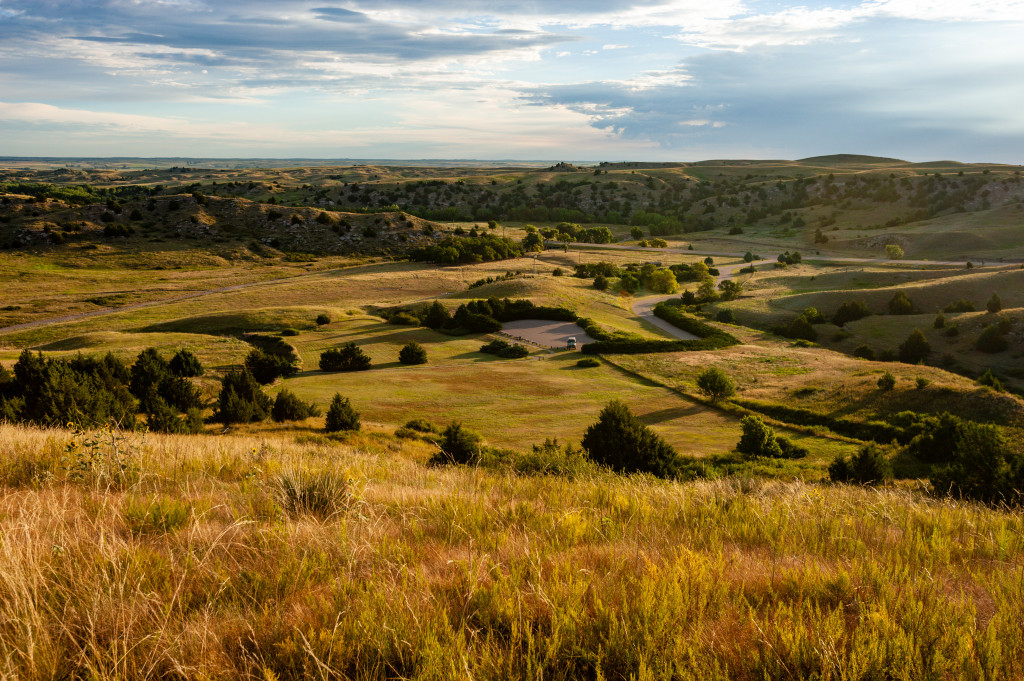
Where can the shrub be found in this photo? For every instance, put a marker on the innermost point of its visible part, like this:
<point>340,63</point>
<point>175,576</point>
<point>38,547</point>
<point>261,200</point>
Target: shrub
<point>940,321</point>
<point>994,304</point>
<point>959,306</point>
<point>437,316</point>
<point>288,407</point>
<point>504,349</point>
<point>789,449</point>
<point>629,283</point>
<point>458,445</point>
<point>869,466</point>
<point>403,319</point>
<point>241,399</point>
<point>758,439</point>
<point>558,272</point>
<point>421,426</point>
<point>992,381</point>
<point>715,384</point>
<point>412,353</point>
<point>588,363</point>
<point>289,332</point>
<point>900,304</point>
<point>349,357</point>
<point>864,352</point>
<point>185,364</point>
<point>922,382</point>
<point>341,415</point>
<point>619,440</point>
<point>725,316</point>
<point>601,282</point>
<point>267,367</point>
<point>886,382</point>
<point>323,319</point>
<point>893,252</point>
<point>300,490</point>
<point>850,311</point>
<point>662,281</point>
<point>981,466</point>
<point>992,340</point>
<point>915,349</point>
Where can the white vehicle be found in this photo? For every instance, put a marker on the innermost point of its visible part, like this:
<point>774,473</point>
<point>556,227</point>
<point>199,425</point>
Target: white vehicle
<point>571,343</point>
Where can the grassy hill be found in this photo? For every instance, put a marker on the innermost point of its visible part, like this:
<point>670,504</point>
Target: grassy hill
<point>273,555</point>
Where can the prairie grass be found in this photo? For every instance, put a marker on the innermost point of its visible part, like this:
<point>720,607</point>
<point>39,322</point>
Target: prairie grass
<point>433,572</point>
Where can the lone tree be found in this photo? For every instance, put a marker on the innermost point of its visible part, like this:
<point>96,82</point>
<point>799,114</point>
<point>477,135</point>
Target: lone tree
<point>893,252</point>
<point>715,384</point>
<point>620,441</point>
<point>994,304</point>
<point>758,439</point>
<point>915,349</point>
<point>458,445</point>
<point>412,353</point>
<point>341,415</point>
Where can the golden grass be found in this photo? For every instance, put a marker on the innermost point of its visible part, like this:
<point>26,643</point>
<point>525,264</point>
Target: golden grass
<point>463,573</point>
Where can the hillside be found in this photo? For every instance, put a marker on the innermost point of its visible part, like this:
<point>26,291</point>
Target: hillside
<point>286,555</point>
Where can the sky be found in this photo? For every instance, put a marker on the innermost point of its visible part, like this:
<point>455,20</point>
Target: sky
<point>574,80</point>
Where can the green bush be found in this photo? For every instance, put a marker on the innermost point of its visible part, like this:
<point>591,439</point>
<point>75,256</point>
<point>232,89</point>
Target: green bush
<point>267,367</point>
<point>992,340</point>
<point>994,304</point>
<point>990,380</point>
<point>349,357</point>
<point>412,353</point>
<point>185,364</point>
<point>288,407</point>
<point>940,321</point>
<point>620,441</point>
<point>900,304</point>
<point>715,384</point>
<point>421,426</point>
<point>869,466</point>
<point>864,352</point>
<point>886,382</point>
<point>959,306</point>
<point>504,349</point>
<point>588,363</point>
<point>725,316</point>
<point>850,311</point>
<point>982,467</point>
<point>458,445</point>
<point>758,439</point>
<point>289,332</point>
<point>915,349</point>
<point>404,319</point>
<point>241,399</point>
<point>341,415</point>
<point>323,319</point>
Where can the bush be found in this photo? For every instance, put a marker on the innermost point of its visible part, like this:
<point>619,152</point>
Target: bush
<point>869,466</point>
<point>715,384</point>
<point>288,407</point>
<point>850,311</point>
<point>185,364</point>
<point>981,466</point>
<point>994,304</point>
<point>940,321</point>
<point>588,363</point>
<point>267,367</point>
<point>504,349</point>
<point>601,282</point>
<point>900,304</point>
<point>992,340</point>
<point>619,440</point>
<point>348,357</point>
<point>725,316</point>
<point>992,381</point>
<point>341,415</point>
<point>887,382</point>
<point>421,426</point>
<point>241,399</point>
<point>915,349</point>
<point>403,319</point>
<point>412,353</point>
<point>458,445</point>
<point>323,319</point>
<point>922,382</point>
<point>864,352</point>
<point>437,316</point>
<point>558,272</point>
<point>959,306</point>
<point>758,439</point>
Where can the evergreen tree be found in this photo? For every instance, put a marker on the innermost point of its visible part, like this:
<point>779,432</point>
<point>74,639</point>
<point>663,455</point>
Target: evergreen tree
<point>341,415</point>
<point>619,440</point>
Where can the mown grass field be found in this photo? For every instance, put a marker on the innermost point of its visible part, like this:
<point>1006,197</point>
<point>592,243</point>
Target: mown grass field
<point>271,556</point>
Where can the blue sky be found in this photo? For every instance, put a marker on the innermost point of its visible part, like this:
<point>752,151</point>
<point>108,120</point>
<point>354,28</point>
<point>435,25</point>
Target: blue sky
<point>531,79</point>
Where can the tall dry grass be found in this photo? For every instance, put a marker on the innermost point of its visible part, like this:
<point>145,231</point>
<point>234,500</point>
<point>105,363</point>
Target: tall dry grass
<point>284,558</point>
